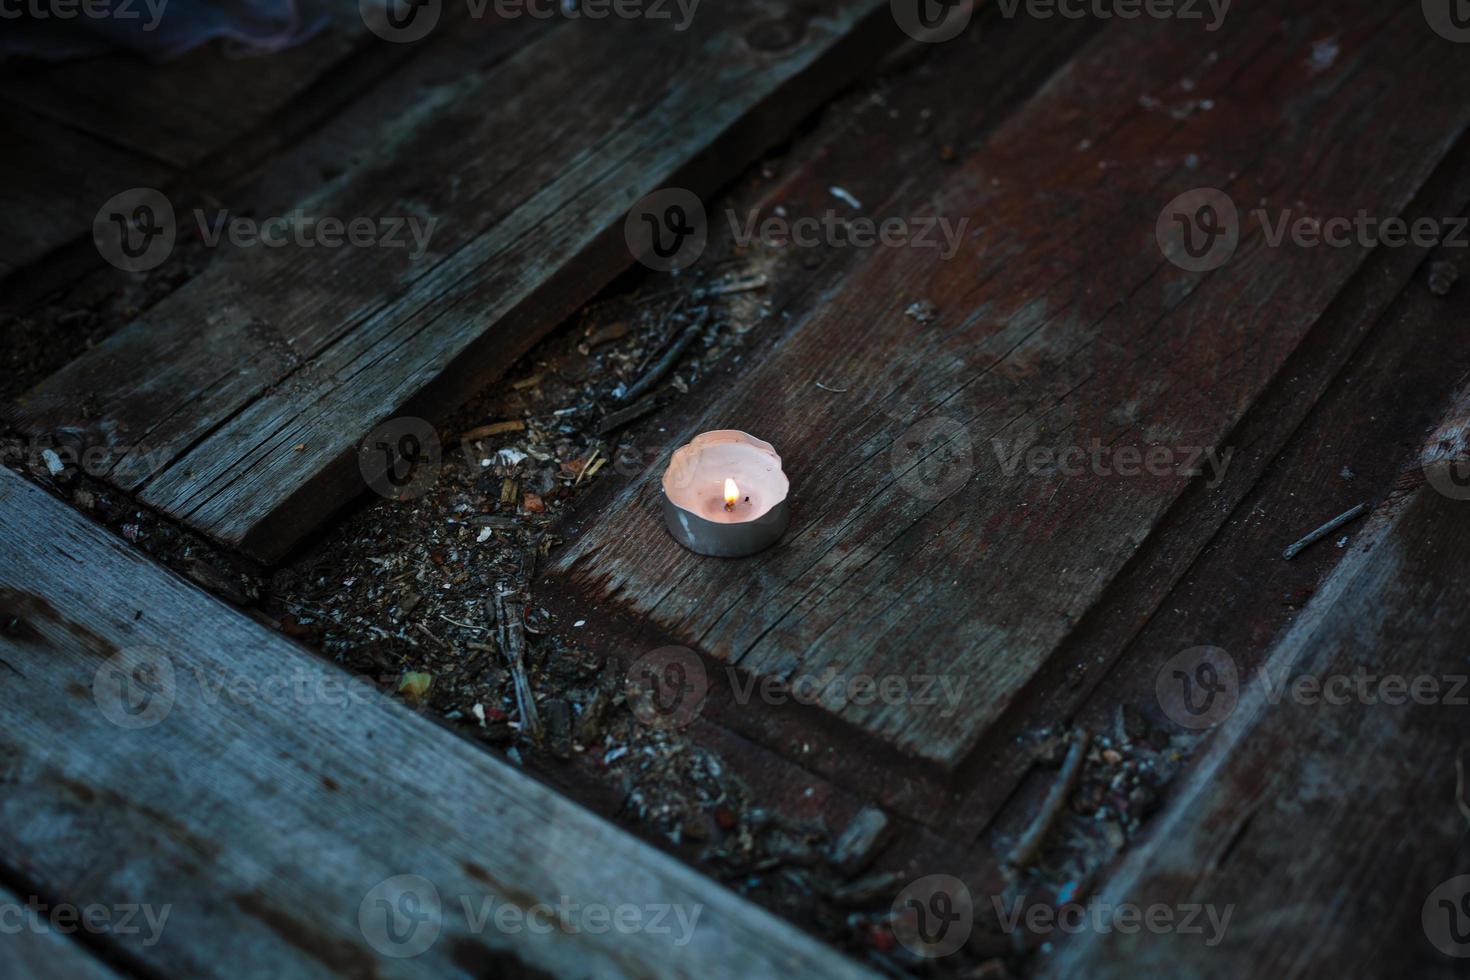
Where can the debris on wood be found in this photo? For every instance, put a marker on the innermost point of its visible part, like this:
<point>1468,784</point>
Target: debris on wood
<point>921,311</point>
<point>508,612</point>
<point>414,685</point>
<point>1352,514</point>
<point>856,847</point>
<point>1030,843</point>
<point>493,429</point>
<point>1442,277</point>
<point>666,363</point>
<point>607,334</point>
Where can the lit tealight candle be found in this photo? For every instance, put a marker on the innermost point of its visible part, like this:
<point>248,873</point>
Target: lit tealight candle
<point>725,495</point>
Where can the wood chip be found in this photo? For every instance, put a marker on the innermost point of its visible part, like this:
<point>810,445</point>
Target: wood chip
<point>615,331</point>
<point>493,429</point>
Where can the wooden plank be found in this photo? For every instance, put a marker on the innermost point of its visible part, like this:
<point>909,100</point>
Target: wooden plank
<point>35,947</point>
<point>181,112</point>
<point>1003,61</point>
<point>1211,573</point>
<point>263,795</point>
<point>1031,349</point>
<point>55,179</point>
<point>1328,819</point>
<point>270,380</point>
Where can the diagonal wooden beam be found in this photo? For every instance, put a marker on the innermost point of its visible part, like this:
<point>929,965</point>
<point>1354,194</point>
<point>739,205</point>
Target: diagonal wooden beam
<point>161,748</point>
<point>237,405</point>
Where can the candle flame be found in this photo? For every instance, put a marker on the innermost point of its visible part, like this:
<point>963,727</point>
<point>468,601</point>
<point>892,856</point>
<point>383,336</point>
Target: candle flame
<point>732,493</point>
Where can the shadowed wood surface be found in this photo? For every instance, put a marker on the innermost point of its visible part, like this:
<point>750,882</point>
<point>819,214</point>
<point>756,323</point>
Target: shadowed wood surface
<point>239,402</point>
<point>180,112</point>
<point>1355,728</point>
<point>42,950</point>
<point>263,795</point>
<point>891,565</point>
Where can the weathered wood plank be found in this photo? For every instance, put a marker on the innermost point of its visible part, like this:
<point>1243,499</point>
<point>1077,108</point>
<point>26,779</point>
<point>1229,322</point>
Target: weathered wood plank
<point>1327,818</point>
<point>270,380</point>
<point>263,795</point>
<point>181,112</point>
<point>1002,62</point>
<point>28,950</point>
<point>1212,572</point>
<point>1031,349</point>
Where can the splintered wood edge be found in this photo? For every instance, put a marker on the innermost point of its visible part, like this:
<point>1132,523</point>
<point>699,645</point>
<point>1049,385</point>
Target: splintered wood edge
<point>265,823</point>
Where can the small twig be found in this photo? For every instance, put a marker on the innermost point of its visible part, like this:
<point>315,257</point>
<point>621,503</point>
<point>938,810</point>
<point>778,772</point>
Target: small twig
<point>468,626</point>
<point>666,363</point>
<point>838,391</point>
<point>616,420</point>
<point>1030,843</point>
<point>738,286</point>
<point>588,465</point>
<point>663,323</point>
<point>1295,549</point>
<point>513,645</point>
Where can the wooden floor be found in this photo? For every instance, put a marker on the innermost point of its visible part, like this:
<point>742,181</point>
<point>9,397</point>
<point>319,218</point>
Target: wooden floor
<point>997,654</point>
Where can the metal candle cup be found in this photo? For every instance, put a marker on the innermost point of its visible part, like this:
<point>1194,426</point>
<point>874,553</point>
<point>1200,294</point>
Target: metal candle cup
<point>698,506</point>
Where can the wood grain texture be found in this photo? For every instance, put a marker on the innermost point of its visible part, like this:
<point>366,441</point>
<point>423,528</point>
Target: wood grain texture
<point>1211,573</point>
<point>279,361</point>
<point>1326,821</point>
<point>273,795</point>
<point>41,950</point>
<point>1059,323</point>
